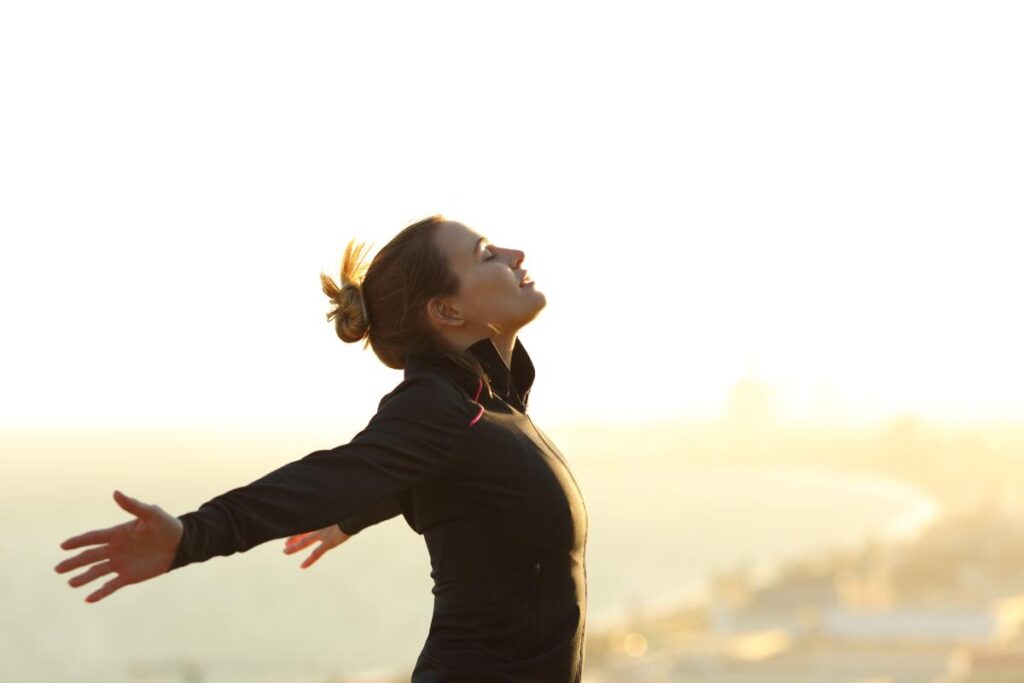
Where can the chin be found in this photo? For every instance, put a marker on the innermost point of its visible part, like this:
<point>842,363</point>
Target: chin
<point>540,302</point>
<point>532,291</point>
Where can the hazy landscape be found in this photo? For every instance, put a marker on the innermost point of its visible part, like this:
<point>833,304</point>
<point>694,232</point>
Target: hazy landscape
<point>671,505</point>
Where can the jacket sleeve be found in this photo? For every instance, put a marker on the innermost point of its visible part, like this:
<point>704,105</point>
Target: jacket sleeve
<point>418,433</point>
<point>378,513</point>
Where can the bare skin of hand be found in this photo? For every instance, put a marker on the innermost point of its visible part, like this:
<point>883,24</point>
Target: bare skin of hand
<point>136,551</point>
<point>328,537</point>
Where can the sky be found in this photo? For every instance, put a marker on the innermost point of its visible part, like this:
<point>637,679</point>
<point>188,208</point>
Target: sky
<point>822,199</point>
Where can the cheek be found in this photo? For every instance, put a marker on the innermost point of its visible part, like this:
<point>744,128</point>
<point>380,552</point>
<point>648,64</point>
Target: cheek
<point>491,291</point>
<point>495,282</point>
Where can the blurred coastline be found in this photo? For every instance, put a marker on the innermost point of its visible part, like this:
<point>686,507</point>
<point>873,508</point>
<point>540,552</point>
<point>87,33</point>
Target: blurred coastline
<point>936,599</point>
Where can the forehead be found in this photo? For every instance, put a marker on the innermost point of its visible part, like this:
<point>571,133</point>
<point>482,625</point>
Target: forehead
<point>457,239</point>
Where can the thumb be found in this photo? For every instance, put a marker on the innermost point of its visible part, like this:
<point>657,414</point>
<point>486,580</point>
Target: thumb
<point>131,505</point>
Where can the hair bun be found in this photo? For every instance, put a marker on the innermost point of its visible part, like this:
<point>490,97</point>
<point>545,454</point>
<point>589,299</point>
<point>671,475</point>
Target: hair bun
<point>350,313</point>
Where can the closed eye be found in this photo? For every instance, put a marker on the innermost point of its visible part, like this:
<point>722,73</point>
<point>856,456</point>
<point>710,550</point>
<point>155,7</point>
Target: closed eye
<point>492,255</point>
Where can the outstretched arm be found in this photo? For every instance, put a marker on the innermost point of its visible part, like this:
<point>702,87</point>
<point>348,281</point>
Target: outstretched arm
<point>418,433</point>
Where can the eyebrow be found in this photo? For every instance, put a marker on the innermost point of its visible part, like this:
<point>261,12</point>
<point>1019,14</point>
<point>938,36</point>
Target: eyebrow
<point>476,247</point>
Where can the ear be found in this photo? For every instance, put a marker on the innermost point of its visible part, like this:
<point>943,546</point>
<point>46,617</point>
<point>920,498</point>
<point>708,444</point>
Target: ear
<point>443,314</point>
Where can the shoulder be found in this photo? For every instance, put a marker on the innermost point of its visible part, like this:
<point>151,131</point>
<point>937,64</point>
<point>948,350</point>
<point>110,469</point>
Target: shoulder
<point>426,412</point>
<point>429,393</point>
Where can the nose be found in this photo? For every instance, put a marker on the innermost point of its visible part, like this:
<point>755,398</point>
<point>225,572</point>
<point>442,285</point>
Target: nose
<point>517,257</point>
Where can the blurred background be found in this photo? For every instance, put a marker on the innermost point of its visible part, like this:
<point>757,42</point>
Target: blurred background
<point>780,244</point>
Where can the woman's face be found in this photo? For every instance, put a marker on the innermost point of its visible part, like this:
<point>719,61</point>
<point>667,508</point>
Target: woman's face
<point>495,295</point>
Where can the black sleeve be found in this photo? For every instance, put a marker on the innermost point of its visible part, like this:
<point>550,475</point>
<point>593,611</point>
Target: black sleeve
<point>378,513</point>
<point>417,433</point>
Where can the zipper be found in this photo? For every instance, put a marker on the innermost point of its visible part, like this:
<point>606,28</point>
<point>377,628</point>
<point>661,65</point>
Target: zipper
<point>583,634</point>
<point>567,469</point>
<point>561,460</point>
<point>536,566</point>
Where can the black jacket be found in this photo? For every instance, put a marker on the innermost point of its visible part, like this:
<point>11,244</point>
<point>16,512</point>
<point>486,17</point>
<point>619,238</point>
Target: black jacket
<point>503,519</point>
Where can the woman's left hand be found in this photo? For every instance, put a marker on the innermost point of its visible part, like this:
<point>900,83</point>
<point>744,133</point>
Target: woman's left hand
<point>328,537</point>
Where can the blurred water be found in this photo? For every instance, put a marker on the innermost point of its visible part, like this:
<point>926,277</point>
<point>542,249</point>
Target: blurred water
<point>656,532</point>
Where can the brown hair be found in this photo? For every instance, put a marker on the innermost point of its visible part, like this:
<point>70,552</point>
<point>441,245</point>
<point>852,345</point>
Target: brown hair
<point>406,273</point>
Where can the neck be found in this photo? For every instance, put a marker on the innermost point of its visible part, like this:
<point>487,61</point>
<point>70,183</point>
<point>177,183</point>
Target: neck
<point>505,342</point>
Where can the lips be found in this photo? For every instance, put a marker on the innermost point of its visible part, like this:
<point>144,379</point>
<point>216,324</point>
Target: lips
<point>526,280</point>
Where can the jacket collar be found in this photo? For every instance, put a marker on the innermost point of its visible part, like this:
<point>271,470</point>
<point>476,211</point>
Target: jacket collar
<point>511,384</point>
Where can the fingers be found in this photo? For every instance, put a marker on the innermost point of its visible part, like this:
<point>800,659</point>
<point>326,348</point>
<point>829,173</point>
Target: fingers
<point>98,536</point>
<point>314,556</point>
<point>297,543</point>
<point>132,505</point>
<point>86,557</point>
<point>93,537</point>
<point>96,571</point>
<point>107,588</point>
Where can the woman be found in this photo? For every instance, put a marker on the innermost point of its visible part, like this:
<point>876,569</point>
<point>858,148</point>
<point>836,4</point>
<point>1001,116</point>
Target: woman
<point>451,447</point>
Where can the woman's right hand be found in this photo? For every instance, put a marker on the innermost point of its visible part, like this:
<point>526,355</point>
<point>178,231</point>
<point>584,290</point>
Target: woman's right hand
<point>329,537</point>
<point>137,550</point>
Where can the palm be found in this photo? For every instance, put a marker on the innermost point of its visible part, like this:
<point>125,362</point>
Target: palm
<point>136,550</point>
